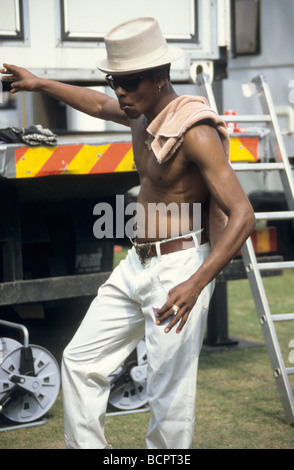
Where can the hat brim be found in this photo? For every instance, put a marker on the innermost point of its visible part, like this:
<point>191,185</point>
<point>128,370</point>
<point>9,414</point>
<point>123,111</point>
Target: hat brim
<point>173,53</point>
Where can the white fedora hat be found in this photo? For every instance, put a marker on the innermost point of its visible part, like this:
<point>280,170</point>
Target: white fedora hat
<point>136,45</point>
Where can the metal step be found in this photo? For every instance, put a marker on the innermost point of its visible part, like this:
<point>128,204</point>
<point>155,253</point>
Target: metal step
<point>275,265</point>
<point>280,215</point>
<point>258,166</point>
<point>282,317</point>
<point>247,118</point>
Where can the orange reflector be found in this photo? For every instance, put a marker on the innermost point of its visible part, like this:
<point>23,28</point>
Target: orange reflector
<point>265,240</point>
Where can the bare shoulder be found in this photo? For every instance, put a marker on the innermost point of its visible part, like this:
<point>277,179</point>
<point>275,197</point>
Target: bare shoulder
<point>202,144</point>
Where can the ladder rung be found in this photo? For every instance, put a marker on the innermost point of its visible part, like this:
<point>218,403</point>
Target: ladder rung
<point>247,118</point>
<point>282,317</point>
<point>276,265</point>
<point>280,215</point>
<point>290,370</point>
<point>274,166</point>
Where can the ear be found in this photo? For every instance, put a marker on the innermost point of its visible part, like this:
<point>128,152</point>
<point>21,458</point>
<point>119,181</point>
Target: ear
<point>161,78</point>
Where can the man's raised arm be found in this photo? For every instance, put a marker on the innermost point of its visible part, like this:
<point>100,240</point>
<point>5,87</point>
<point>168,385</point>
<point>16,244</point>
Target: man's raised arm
<point>83,99</point>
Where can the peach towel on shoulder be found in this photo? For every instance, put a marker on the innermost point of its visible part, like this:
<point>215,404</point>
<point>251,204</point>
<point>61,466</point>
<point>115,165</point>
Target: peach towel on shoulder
<point>171,124</point>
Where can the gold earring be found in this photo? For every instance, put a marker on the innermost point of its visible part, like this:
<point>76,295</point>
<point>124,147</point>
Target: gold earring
<point>159,89</point>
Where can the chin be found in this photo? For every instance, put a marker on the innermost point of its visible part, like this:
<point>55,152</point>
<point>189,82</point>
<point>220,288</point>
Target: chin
<point>133,114</point>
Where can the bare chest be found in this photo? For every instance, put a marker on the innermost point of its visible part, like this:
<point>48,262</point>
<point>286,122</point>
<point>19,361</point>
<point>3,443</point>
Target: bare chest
<point>148,167</point>
<point>176,179</point>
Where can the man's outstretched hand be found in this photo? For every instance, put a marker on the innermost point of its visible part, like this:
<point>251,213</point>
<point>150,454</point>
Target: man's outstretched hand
<point>20,78</point>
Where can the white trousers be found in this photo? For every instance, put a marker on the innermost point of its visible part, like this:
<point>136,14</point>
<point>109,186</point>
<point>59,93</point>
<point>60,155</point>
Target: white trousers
<point>118,318</point>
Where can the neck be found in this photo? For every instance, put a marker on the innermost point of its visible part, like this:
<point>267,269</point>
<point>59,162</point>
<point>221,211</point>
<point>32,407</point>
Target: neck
<point>166,96</point>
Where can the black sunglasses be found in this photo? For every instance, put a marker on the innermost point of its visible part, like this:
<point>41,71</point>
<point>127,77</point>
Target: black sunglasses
<point>128,83</point>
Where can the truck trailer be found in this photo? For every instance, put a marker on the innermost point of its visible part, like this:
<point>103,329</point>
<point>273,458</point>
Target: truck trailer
<point>49,252</point>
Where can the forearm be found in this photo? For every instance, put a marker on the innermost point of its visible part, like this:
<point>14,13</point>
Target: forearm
<point>236,232</point>
<point>81,98</point>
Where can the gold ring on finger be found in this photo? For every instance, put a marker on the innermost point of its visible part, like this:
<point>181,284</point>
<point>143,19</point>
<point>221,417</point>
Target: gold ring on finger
<point>176,309</point>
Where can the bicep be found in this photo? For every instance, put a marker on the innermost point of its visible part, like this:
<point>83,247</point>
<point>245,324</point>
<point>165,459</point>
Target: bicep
<point>109,110</point>
<point>203,146</point>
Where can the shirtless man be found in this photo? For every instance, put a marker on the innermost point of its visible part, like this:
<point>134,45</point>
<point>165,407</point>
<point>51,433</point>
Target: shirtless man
<point>121,315</point>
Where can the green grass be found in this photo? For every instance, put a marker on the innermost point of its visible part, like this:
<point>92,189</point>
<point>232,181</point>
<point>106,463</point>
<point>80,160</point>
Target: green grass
<point>238,405</point>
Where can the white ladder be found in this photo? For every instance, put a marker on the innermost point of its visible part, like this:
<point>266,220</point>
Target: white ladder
<point>253,267</point>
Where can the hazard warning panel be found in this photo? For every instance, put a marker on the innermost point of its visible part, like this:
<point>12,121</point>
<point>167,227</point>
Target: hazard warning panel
<point>244,148</point>
<point>82,159</point>
<point>73,159</point>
